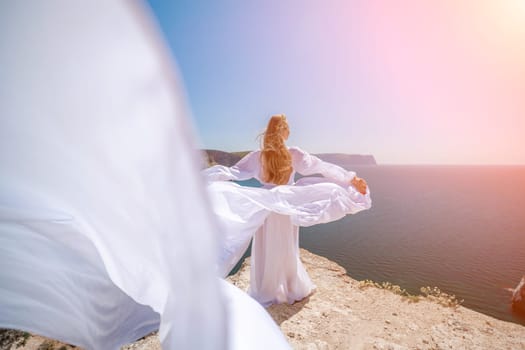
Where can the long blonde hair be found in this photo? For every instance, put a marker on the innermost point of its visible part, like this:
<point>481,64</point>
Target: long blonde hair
<point>275,158</point>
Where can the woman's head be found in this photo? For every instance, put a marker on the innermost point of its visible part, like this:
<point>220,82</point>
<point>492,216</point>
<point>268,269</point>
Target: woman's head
<point>275,157</point>
<point>277,126</point>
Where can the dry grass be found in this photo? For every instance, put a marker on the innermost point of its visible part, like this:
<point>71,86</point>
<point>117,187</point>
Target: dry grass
<point>429,293</point>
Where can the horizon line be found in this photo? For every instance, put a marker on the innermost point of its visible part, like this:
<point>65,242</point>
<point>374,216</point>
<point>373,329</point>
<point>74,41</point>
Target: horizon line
<point>389,163</point>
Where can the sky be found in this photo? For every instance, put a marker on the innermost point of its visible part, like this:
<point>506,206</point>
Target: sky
<point>408,81</point>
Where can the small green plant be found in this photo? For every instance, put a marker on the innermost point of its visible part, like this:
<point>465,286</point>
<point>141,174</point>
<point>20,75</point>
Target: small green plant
<point>25,337</point>
<point>10,337</point>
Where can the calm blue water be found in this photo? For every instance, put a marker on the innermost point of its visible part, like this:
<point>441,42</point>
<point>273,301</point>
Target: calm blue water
<point>460,228</point>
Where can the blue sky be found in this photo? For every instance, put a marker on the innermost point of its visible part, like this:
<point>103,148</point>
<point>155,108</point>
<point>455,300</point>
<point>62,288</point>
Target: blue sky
<point>434,82</point>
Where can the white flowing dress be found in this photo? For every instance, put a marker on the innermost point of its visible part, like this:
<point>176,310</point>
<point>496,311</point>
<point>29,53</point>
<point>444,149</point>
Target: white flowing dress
<point>272,216</point>
<point>105,229</point>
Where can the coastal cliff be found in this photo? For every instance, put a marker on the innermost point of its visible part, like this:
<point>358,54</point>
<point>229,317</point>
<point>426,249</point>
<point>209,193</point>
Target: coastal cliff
<point>212,157</point>
<point>347,314</point>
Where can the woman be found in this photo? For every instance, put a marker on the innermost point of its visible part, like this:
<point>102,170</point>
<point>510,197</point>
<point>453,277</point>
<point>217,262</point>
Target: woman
<point>273,214</point>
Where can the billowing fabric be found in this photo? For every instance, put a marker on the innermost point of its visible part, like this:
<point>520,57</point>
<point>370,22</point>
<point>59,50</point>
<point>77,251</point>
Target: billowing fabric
<point>272,215</point>
<point>250,326</point>
<point>105,229</point>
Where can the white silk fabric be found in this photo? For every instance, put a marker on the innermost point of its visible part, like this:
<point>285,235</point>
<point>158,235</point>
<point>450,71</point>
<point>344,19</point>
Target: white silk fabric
<point>105,229</point>
<point>272,215</point>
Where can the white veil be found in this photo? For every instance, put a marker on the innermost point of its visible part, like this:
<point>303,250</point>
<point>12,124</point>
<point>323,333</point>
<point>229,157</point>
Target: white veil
<point>105,229</point>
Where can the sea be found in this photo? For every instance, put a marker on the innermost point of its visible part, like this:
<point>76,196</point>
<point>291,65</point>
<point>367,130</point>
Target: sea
<point>458,228</point>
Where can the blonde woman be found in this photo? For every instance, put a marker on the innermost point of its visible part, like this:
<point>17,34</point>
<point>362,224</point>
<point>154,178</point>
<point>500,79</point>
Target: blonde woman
<point>272,214</point>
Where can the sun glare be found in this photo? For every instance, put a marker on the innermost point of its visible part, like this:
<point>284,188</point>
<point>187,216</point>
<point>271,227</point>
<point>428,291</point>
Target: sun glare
<point>513,13</point>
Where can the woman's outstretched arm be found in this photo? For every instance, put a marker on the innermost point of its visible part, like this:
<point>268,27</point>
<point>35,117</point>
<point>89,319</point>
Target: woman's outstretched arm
<point>246,168</point>
<point>307,164</point>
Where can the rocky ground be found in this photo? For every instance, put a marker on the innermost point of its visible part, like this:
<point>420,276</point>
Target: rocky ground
<point>346,314</point>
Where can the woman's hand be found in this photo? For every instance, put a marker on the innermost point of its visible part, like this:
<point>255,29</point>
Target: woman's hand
<point>359,184</point>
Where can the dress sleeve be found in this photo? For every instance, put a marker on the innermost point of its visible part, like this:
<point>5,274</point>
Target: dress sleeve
<point>307,164</point>
<point>246,168</point>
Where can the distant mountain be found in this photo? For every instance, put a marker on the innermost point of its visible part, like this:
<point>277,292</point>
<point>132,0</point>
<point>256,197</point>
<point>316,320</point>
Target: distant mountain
<point>212,157</point>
